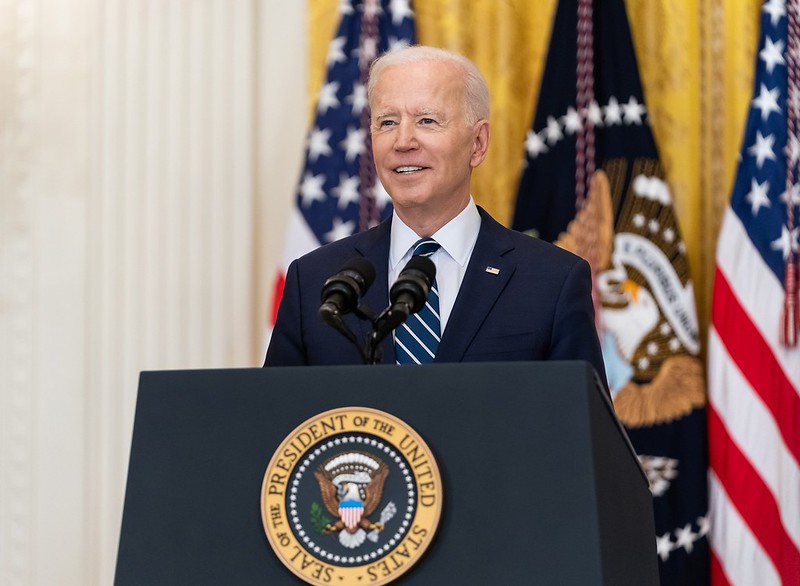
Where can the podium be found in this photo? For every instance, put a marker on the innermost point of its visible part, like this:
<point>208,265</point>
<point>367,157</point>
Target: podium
<point>540,483</point>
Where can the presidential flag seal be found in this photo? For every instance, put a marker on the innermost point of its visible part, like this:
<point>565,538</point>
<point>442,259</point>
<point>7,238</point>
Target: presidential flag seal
<point>351,496</point>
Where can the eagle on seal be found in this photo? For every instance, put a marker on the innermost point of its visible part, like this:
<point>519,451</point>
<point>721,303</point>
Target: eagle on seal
<point>351,485</point>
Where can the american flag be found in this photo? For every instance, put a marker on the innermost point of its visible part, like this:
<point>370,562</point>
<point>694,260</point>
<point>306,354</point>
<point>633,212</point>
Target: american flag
<point>339,193</point>
<point>754,371</point>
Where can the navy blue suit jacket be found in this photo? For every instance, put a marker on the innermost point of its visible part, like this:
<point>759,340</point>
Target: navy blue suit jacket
<point>537,307</point>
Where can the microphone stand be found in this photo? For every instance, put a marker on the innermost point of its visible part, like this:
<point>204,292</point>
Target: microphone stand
<point>382,325</point>
<point>369,351</point>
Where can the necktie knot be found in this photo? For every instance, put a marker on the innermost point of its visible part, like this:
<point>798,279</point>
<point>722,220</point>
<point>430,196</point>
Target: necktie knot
<point>425,247</point>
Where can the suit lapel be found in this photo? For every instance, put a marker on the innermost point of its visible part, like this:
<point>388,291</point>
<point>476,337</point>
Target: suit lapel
<point>375,248</point>
<point>479,290</point>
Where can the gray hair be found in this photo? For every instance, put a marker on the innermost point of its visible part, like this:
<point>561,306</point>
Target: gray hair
<point>476,90</point>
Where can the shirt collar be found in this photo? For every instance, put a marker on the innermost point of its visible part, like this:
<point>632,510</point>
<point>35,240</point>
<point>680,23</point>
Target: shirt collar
<point>457,237</point>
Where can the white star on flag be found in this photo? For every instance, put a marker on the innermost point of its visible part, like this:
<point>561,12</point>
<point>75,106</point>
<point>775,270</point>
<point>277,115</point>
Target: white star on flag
<point>613,112</point>
<point>354,143</point>
<point>358,98</point>
<point>594,114</point>
<point>633,111</point>
<point>340,230</point>
<point>767,101</point>
<point>762,149</point>
<point>553,131</point>
<point>572,121</point>
<point>703,525</point>
<point>318,143</point>
<point>795,195</point>
<point>664,546</point>
<point>758,196</point>
<point>685,538</point>
<point>776,10</point>
<point>534,144</point>
<point>772,54</point>
<point>787,242</point>
<point>347,190</point>
<point>345,7</point>
<point>336,51</point>
<point>400,9</point>
<point>311,189</point>
<point>793,149</point>
<point>327,97</point>
<point>395,43</point>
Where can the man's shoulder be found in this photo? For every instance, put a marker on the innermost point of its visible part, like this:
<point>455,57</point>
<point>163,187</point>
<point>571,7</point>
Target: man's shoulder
<point>528,245</point>
<point>542,247</point>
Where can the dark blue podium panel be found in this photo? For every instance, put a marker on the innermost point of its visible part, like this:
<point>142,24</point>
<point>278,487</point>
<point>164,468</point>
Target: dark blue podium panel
<point>539,481</point>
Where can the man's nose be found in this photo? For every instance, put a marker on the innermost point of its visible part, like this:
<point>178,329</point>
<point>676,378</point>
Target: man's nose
<point>406,137</point>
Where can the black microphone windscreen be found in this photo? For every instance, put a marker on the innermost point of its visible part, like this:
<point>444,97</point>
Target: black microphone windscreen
<point>363,267</point>
<point>422,264</point>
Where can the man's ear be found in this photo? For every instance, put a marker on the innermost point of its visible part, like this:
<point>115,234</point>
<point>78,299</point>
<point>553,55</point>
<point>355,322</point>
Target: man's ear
<point>480,144</point>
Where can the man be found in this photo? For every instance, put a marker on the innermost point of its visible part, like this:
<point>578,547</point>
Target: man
<point>501,295</point>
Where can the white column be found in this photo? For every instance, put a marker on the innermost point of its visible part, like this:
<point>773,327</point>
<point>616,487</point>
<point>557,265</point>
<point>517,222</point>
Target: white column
<point>43,284</point>
<point>149,152</point>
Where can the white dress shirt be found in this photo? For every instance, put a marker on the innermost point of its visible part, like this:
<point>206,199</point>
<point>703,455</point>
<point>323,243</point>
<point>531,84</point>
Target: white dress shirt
<point>457,239</point>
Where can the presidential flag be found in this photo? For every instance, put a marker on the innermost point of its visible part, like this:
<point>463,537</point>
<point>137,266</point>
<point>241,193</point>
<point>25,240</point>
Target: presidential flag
<point>339,193</point>
<point>754,362</point>
<point>593,183</point>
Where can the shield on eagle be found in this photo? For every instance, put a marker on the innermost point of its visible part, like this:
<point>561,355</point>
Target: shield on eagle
<point>351,510</point>
<point>351,485</point>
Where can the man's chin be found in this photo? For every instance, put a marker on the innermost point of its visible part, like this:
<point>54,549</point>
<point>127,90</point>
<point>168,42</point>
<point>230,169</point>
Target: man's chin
<point>410,201</point>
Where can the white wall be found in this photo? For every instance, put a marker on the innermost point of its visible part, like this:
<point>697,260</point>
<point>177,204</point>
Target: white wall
<point>149,151</point>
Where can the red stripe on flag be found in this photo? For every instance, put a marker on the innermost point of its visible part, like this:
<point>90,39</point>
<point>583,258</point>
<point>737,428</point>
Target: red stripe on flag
<point>718,577</point>
<point>277,295</point>
<point>755,359</point>
<point>752,498</point>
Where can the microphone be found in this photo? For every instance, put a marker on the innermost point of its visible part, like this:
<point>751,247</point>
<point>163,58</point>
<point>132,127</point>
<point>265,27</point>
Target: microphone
<point>410,290</point>
<point>408,295</point>
<point>341,292</point>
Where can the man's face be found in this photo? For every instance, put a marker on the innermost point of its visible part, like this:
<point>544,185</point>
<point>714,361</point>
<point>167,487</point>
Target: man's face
<point>423,145</point>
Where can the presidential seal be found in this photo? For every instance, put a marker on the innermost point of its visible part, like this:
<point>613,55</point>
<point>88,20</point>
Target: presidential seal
<point>351,496</point>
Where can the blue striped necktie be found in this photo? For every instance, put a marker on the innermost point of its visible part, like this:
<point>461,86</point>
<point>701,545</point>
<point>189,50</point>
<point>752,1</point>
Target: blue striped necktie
<point>416,340</point>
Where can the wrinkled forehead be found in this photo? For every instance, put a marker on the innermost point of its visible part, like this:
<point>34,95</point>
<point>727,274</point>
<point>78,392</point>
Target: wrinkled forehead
<point>420,87</point>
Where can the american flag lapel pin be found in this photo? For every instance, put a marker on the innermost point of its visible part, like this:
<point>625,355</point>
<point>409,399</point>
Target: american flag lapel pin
<point>492,270</point>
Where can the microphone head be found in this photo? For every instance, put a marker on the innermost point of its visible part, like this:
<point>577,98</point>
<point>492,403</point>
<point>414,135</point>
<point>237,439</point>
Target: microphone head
<point>361,270</point>
<point>414,283</point>
<point>424,265</point>
<point>341,292</point>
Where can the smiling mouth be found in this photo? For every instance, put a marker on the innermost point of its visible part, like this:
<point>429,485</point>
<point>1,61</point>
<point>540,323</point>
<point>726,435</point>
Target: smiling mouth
<point>408,170</point>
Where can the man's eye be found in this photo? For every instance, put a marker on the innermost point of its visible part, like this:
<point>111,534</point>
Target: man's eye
<point>387,123</point>
<point>427,121</point>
